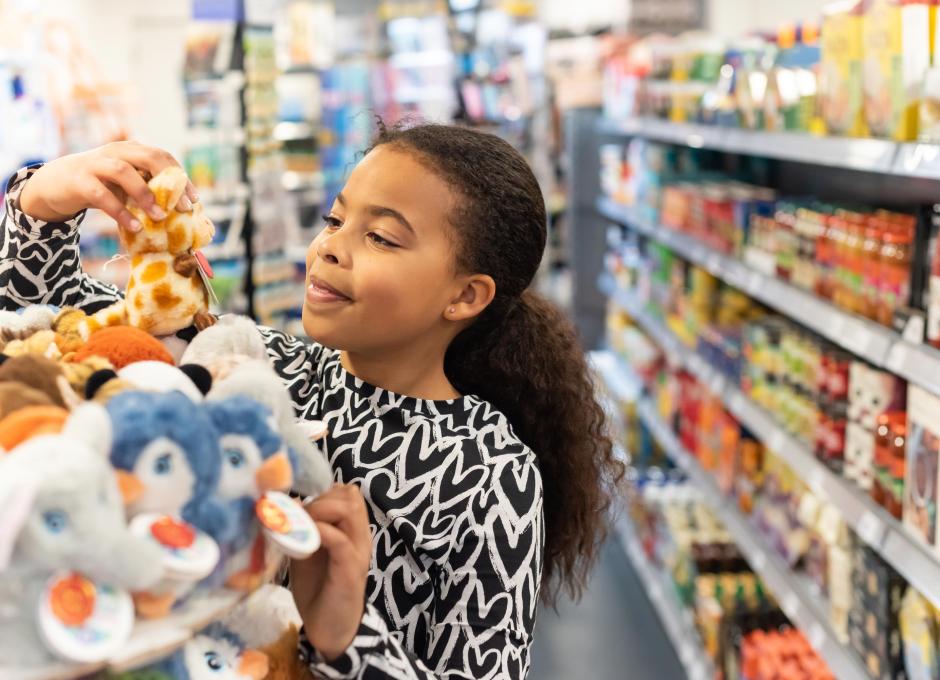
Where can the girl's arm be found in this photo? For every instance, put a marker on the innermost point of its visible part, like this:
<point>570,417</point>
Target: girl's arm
<point>486,589</point>
<point>39,260</point>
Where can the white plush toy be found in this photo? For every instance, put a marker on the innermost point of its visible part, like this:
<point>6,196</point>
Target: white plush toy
<point>234,353</point>
<point>65,551</point>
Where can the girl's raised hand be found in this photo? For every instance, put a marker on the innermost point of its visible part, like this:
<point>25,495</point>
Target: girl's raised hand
<point>102,178</point>
<point>330,587</point>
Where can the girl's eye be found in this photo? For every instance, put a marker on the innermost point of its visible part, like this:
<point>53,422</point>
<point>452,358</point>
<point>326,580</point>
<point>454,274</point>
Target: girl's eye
<point>213,661</point>
<point>163,464</point>
<point>378,240</point>
<point>56,521</point>
<point>332,222</point>
<point>234,457</point>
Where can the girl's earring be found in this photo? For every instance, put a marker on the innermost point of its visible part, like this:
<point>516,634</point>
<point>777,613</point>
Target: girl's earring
<point>452,310</point>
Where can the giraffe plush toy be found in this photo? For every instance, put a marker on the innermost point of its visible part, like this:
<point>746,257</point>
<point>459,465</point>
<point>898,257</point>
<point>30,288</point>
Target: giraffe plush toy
<point>165,292</point>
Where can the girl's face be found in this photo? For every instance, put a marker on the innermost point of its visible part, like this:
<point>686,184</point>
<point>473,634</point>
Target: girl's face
<point>382,274</point>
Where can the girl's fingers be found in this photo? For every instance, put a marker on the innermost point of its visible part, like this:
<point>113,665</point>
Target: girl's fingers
<point>99,196</point>
<point>152,161</point>
<point>340,548</point>
<point>122,174</point>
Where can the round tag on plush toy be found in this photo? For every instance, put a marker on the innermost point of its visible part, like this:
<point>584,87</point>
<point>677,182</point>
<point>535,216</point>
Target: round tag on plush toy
<point>82,621</point>
<point>188,554</point>
<point>287,525</point>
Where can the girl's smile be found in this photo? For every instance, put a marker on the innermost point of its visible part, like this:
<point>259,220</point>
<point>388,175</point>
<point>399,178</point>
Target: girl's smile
<point>319,292</point>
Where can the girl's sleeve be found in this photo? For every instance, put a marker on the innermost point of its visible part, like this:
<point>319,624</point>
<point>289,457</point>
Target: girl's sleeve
<point>487,590</point>
<point>40,261</point>
<point>300,363</point>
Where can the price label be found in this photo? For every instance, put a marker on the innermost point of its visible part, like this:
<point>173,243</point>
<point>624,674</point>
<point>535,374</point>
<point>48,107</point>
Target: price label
<point>871,530</point>
<point>736,403</point>
<point>791,606</point>
<point>816,636</point>
<point>777,440</point>
<point>759,560</point>
<point>897,358</point>
<point>754,282</point>
<point>816,480</point>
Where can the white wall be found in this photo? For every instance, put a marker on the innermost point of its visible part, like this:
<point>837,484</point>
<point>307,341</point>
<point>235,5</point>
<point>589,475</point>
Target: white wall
<point>578,15</point>
<point>733,18</point>
<point>139,45</point>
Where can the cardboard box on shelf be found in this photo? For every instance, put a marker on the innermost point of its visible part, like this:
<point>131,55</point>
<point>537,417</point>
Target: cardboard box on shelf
<point>923,448</point>
<point>840,87</point>
<point>896,41</point>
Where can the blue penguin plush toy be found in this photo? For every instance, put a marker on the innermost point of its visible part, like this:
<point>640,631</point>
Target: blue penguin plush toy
<point>166,454</point>
<point>254,460</point>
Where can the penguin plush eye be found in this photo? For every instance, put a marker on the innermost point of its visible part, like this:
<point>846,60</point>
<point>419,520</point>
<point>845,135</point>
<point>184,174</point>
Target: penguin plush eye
<point>56,521</point>
<point>163,465</point>
<point>214,662</point>
<point>234,457</point>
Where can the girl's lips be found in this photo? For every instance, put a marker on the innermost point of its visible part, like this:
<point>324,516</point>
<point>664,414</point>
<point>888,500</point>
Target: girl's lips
<point>320,292</point>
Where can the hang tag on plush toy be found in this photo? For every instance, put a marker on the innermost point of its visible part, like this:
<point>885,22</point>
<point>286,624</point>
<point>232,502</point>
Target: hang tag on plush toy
<point>314,429</point>
<point>82,621</point>
<point>188,554</point>
<point>287,525</point>
<point>206,273</point>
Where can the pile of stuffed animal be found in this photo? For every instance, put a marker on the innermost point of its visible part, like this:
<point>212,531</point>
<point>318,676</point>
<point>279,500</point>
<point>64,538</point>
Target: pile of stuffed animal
<point>136,483</point>
<point>130,487</point>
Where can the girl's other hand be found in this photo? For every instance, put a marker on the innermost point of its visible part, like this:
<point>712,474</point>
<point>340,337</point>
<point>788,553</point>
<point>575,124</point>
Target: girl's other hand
<point>102,178</point>
<point>330,587</point>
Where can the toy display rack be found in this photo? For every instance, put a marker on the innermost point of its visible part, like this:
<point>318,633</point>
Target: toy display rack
<point>799,600</point>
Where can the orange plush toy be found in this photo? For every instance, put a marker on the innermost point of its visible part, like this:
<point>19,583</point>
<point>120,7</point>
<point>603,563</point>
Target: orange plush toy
<point>30,421</point>
<point>123,345</point>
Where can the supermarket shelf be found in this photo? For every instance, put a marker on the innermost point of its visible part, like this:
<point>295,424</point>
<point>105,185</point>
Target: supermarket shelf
<point>869,155</point>
<point>221,251</point>
<point>873,342</point>
<point>150,640</point>
<point>622,382</point>
<point>877,528</point>
<point>801,605</point>
<point>676,619</point>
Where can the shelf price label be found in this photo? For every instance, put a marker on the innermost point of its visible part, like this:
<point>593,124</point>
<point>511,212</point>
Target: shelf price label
<point>791,606</point>
<point>816,636</point>
<point>871,530</point>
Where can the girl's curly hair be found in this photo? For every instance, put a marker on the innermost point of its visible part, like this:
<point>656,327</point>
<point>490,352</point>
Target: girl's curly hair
<point>522,354</point>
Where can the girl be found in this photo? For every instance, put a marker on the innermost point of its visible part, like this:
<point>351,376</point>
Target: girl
<point>472,470</point>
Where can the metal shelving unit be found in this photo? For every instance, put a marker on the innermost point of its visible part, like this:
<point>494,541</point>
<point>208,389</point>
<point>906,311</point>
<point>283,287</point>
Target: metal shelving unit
<point>873,342</point>
<point>676,619</point>
<point>804,607</point>
<point>868,155</point>
<point>799,599</point>
<point>877,528</point>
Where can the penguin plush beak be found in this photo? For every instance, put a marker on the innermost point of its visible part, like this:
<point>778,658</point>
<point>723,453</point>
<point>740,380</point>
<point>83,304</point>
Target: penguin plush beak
<point>253,664</point>
<point>131,487</point>
<point>274,474</point>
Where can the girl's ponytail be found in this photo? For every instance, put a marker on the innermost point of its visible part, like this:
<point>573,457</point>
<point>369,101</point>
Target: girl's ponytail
<point>524,357</point>
<point>522,354</point>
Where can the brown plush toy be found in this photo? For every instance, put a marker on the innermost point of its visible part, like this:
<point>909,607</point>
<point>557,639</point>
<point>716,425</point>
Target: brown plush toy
<point>123,345</point>
<point>41,374</point>
<point>14,396</point>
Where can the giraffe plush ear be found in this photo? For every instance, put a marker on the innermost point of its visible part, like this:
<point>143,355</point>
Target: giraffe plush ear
<point>168,187</point>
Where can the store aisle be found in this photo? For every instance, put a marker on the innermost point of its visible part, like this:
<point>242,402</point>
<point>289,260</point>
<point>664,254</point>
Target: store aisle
<point>613,633</point>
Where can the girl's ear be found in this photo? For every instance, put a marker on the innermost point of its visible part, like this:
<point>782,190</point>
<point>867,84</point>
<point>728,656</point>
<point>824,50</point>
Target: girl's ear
<point>475,296</point>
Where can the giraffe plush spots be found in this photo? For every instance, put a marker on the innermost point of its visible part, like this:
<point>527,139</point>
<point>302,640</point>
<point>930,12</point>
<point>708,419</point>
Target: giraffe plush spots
<point>165,292</point>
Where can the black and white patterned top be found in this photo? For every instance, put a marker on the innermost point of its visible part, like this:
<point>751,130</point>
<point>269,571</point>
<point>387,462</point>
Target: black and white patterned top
<point>454,497</point>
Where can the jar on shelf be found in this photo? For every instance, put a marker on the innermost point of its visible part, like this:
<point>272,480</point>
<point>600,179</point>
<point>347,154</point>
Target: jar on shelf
<point>896,254</point>
<point>872,244</point>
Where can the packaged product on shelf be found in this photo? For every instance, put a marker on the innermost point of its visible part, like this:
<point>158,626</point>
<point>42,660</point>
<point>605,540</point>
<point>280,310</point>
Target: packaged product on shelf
<point>840,87</point>
<point>897,51</point>
<point>923,447</point>
<point>874,629</point>
<point>871,393</point>
<point>890,445</point>
<point>920,633</point>
<point>790,100</point>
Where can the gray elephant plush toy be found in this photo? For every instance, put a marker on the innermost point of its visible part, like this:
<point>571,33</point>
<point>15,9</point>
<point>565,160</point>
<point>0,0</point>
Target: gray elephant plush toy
<point>62,522</point>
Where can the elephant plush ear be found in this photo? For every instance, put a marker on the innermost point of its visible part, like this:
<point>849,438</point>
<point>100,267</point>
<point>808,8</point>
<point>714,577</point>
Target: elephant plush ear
<point>18,489</point>
<point>91,424</point>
